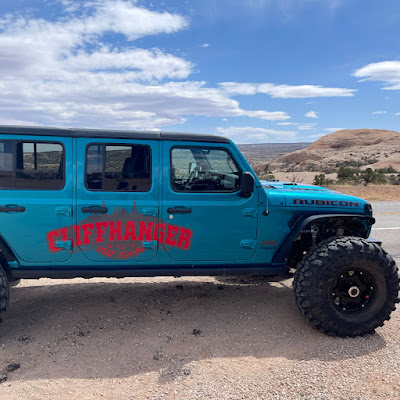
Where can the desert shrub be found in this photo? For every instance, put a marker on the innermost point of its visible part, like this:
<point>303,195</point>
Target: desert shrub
<point>348,175</point>
<point>267,177</point>
<point>328,170</point>
<point>322,180</point>
<point>388,170</point>
<point>394,180</point>
<point>369,176</point>
<point>296,178</point>
<point>351,163</point>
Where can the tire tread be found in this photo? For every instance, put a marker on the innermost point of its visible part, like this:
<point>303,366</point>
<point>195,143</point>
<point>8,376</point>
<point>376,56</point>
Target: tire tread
<point>309,282</point>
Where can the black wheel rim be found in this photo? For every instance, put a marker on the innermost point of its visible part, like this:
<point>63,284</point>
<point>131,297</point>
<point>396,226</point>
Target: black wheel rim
<point>353,291</point>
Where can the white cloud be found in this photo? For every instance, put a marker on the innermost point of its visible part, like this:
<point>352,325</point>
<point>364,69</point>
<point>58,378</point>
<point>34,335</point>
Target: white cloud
<point>317,136</point>
<point>387,72</point>
<point>70,6</point>
<point>66,73</point>
<point>266,115</point>
<point>397,113</point>
<point>256,135</point>
<point>332,129</point>
<point>379,112</point>
<point>311,114</point>
<point>205,45</point>
<point>234,88</point>
<point>285,91</point>
<point>303,91</point>
<point>307,127</point>
<point>287,123</point>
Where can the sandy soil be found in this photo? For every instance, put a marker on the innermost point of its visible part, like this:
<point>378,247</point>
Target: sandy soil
<point>185,338</point>
<point>306,178</point>
<point>372,192</point>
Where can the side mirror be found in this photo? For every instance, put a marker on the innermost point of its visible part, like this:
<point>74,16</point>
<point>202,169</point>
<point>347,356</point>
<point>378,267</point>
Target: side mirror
<point>247,185</point>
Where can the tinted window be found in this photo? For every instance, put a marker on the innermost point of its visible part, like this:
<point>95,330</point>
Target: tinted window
<point>31,165</point>
<point>112,168</point>
<point>198,169</point>
<point>39,166</point>
<point>6,164</point>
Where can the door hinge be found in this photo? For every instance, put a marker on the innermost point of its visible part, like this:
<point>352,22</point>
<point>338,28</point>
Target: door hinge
<point>64,211</point>
<point>250,212</point>
<point>150,245</point>
<point>67,245</point>
<point>150,211</point>
<point>248,244</point>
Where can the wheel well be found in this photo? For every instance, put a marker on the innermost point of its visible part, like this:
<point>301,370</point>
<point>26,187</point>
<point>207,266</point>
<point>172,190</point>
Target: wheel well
<point>6,255</point>
<point>6,267</point>
<point>324,228</point>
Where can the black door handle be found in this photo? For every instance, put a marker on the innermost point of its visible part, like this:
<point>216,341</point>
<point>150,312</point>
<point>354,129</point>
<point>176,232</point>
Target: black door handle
<point>179,210</point>
<point>10,208</point>
<point>94,210</point>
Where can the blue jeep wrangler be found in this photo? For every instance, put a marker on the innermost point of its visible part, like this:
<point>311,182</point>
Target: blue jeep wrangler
<point>97,203</point>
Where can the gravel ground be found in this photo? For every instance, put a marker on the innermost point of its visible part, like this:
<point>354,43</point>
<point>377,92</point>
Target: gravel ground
<point>185,338</point>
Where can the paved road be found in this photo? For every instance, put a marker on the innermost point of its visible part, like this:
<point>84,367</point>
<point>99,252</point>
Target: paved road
<point>387,226</point>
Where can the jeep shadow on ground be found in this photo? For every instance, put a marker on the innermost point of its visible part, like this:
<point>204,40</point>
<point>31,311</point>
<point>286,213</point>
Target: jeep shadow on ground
<point>119,329</point>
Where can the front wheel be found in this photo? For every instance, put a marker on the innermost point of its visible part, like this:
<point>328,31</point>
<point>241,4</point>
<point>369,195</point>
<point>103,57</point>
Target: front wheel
<point>346,286</point>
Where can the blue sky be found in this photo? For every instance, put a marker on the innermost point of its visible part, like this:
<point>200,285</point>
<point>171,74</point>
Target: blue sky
<point>252,70</point>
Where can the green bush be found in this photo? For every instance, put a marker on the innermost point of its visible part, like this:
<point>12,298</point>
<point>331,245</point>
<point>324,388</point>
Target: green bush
<point>369,176</point>
<point>322,180</point>
<point>267,177</point>
<point>388,170</point>
<point>394,180</point>
<point>348,175</point>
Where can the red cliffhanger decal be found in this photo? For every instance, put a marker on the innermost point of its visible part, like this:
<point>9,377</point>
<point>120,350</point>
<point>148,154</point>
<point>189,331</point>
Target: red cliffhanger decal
<point>120,235</point>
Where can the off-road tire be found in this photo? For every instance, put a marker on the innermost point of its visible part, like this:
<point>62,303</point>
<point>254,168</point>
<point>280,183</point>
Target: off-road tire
<point>4,292</point>
<point>323,266</point>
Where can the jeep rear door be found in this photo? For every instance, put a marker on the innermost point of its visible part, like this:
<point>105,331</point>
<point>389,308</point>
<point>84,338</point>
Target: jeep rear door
<point>36,196</point>
<point>117,199</point>
<point>202,199</point>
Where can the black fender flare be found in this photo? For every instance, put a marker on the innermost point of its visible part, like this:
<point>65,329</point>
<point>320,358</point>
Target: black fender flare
<point>299,222</point>
<point>6,255</point>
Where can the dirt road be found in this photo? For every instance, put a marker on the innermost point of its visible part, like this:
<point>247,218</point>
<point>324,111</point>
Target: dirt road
<point>186,338</point>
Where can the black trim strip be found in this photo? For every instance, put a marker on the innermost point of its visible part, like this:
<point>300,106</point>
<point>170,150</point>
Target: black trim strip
<point>161,271</point>
<point>112,134</point>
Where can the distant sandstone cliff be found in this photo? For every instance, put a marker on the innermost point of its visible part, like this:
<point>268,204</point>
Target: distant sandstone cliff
<point>365,148</point>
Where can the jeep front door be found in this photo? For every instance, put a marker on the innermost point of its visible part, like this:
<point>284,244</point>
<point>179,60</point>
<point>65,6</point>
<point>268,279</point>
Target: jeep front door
<point>203,200</point>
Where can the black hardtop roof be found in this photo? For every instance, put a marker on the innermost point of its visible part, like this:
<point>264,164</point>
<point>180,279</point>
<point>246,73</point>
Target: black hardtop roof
<point>110,133</point>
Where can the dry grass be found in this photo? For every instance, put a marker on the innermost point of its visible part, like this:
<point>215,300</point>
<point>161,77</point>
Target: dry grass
<point>371,192</point>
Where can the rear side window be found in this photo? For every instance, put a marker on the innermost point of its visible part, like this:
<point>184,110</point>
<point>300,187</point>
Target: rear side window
<point>202,169</point>
<point>31,165</point>
<point>121,168</point>
<point>7,164</point>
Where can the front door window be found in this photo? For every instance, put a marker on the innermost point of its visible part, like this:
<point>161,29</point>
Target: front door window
<point>201,169</point>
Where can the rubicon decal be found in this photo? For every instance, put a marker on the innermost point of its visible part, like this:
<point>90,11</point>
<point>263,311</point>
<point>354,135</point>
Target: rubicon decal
<point>337,203</point>
<point>120,235</point>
